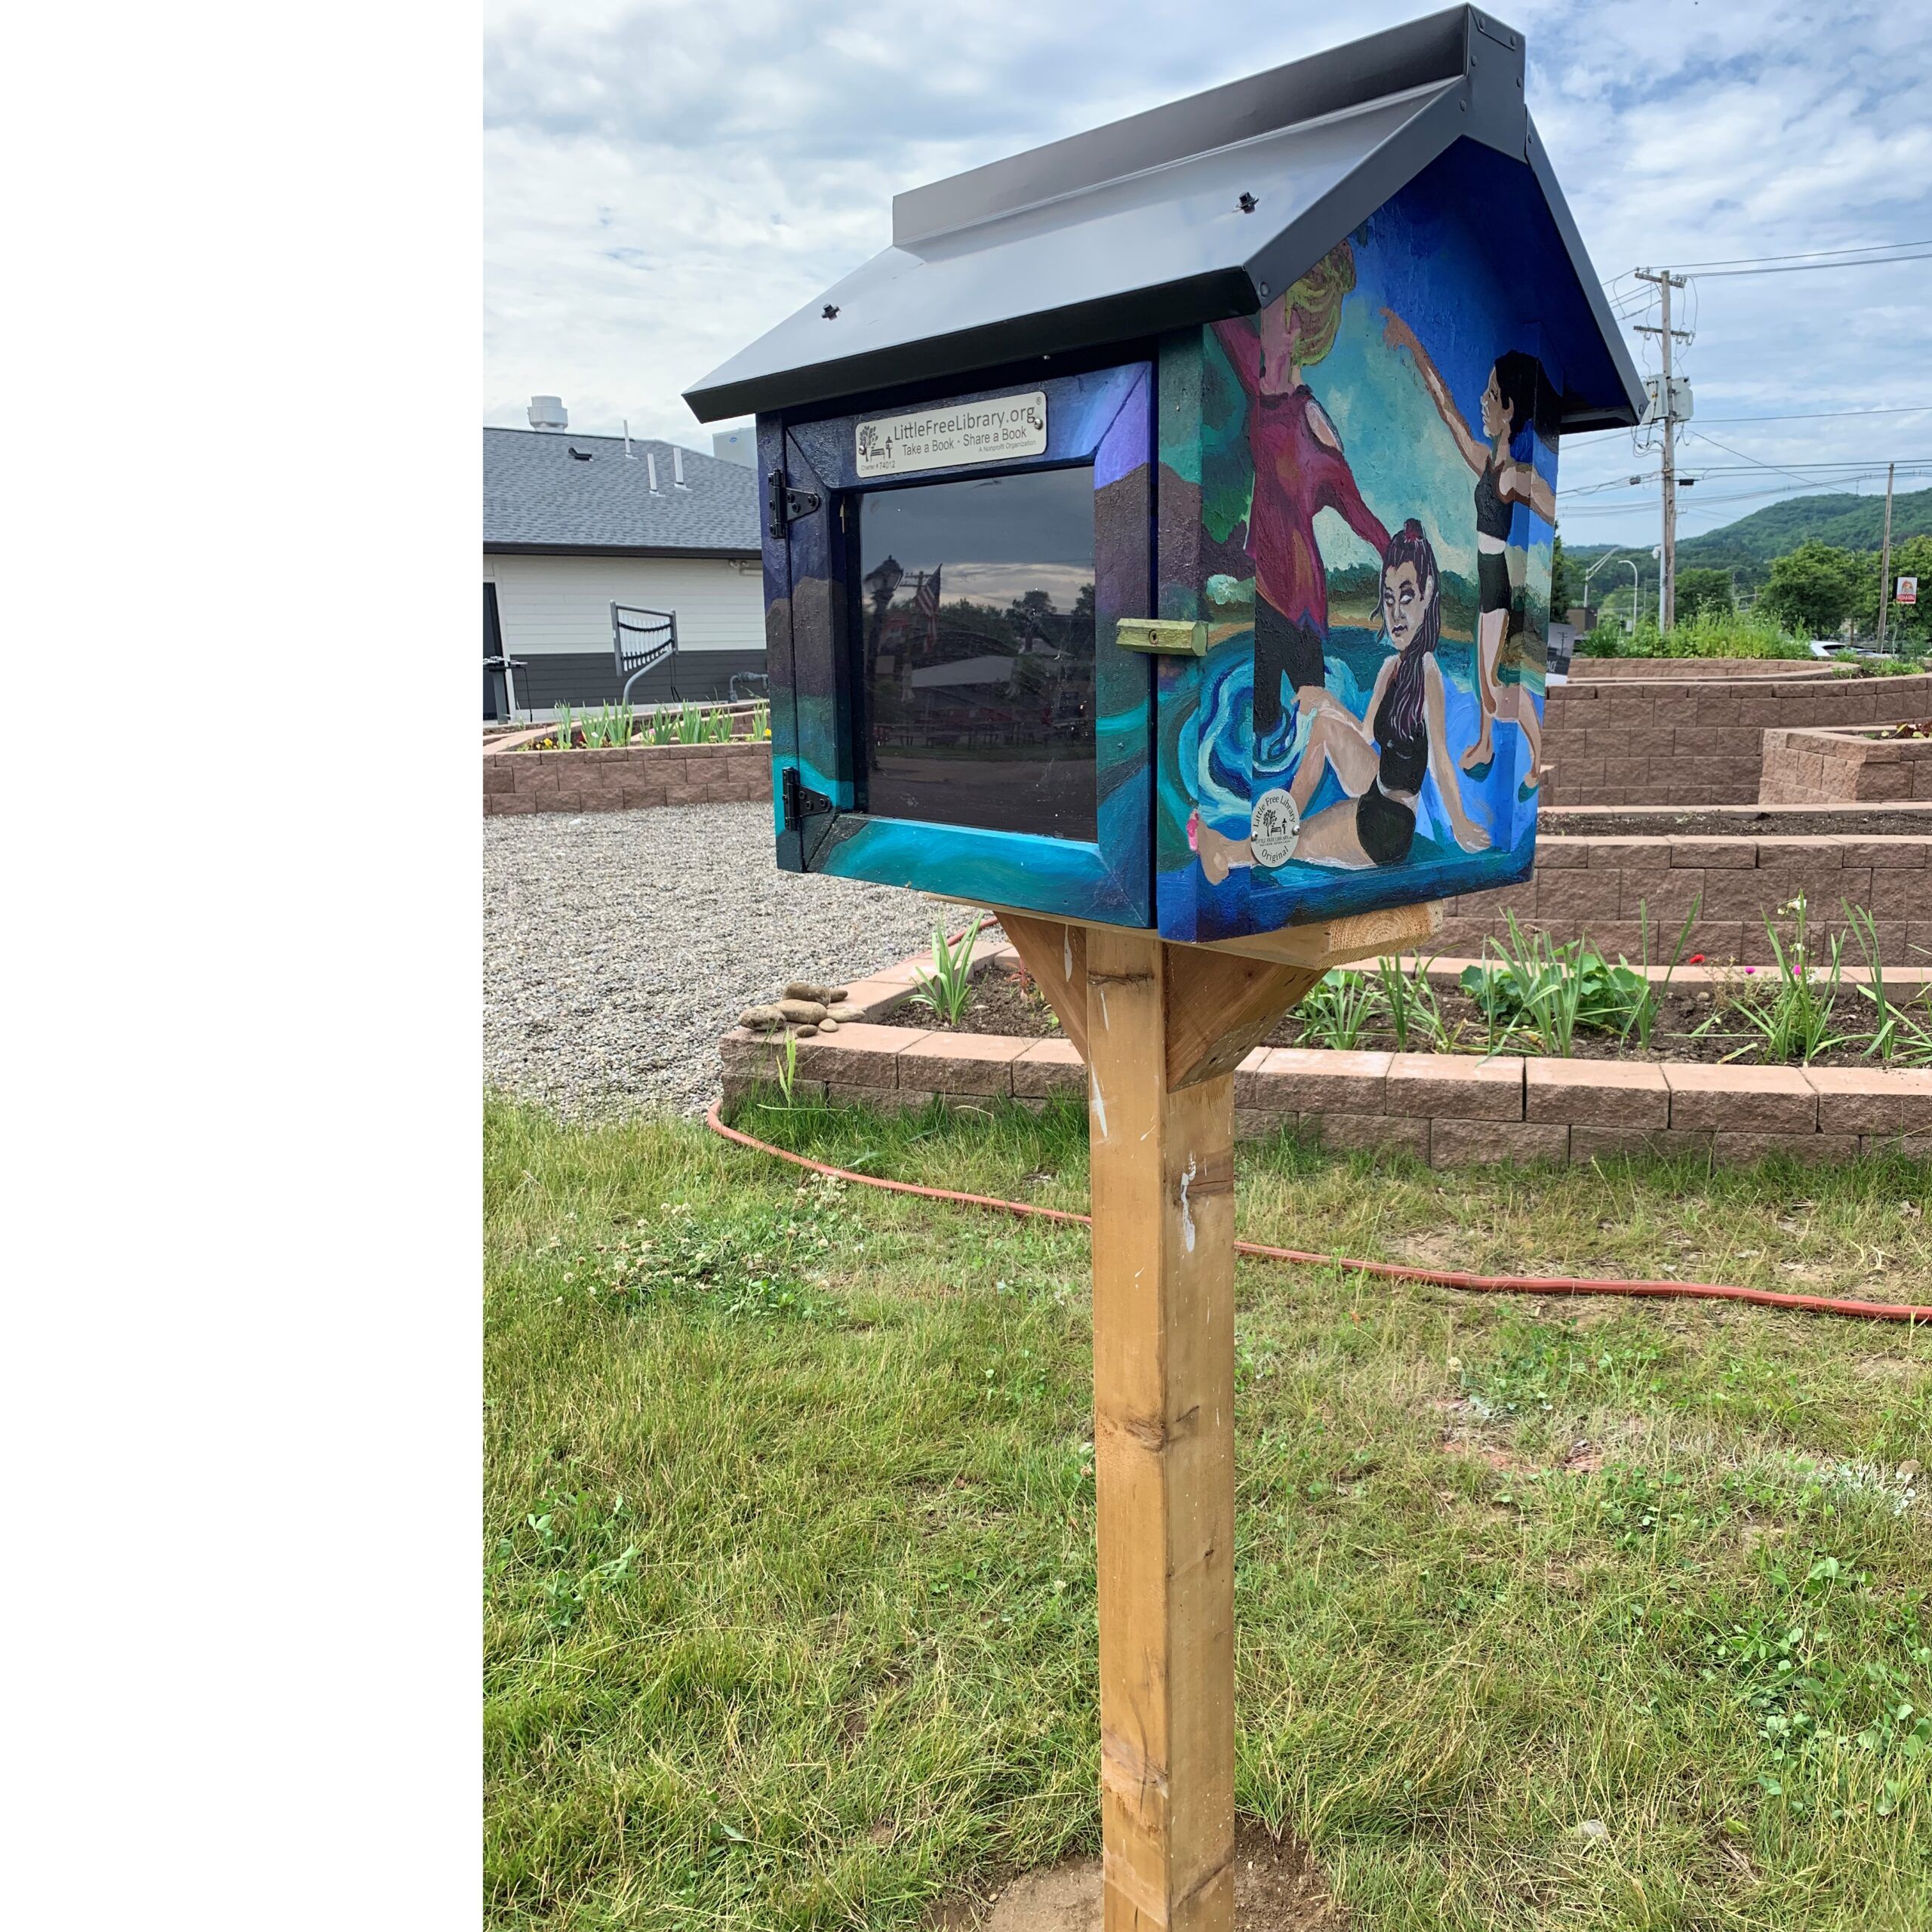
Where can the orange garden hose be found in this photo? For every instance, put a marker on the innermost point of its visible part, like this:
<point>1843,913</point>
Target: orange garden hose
<point>1537,1285</point>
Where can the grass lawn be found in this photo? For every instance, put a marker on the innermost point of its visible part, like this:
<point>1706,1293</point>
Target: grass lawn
<point>1576,1613</point>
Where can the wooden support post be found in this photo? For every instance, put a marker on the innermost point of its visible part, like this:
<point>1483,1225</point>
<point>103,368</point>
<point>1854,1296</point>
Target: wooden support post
<point>1164,1384</point>
<point>1162,1027</point>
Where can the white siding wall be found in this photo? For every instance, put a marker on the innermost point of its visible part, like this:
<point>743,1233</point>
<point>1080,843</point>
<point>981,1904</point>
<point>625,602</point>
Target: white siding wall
<point>563,604</point>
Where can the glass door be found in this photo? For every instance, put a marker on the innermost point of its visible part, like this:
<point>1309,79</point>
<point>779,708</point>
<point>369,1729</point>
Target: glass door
<point>960,715</point>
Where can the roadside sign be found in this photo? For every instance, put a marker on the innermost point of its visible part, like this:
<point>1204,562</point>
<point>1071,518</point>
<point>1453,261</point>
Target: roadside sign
<point>1908,591</point>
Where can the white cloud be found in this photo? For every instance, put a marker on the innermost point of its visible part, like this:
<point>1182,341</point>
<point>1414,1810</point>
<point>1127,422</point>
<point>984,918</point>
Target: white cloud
<point>666,180</point>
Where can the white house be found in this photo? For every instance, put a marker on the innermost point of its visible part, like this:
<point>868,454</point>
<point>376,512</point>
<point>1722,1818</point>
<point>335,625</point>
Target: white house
<point>572,525</point>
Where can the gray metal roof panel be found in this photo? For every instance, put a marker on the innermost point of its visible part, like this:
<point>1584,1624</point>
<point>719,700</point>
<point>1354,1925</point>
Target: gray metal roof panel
<point>536,494</point>
<point>1136,227</point>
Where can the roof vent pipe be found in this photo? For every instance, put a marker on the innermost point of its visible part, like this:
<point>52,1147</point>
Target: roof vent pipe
<point>650,469</point>
<point>677,466</point>
<point>547,412</point>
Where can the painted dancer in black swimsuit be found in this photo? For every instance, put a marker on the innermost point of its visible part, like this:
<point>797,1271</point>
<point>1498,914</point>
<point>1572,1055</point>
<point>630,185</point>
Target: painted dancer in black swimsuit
<point>1381,763</point>
<point>1516,403</point>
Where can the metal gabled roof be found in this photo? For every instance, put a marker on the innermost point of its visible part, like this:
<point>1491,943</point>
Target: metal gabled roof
<point>1139,226</point>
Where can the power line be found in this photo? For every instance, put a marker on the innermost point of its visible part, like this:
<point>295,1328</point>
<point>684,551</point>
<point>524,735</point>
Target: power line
<point>1823,415</point>
<point>1704,503</point>
<point>1846,469</point>
<point>1843,462</point>
<point>1806,255</point>
<point>1777,469</point>
<point>1797,267</point>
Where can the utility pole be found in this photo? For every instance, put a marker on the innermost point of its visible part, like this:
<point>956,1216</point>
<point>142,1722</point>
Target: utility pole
<point>1667,572</point>
<point>1885,559</point>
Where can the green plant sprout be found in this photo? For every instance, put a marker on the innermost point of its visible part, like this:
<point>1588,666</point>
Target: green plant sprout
<point>1341,1009</point>
<point>1794,1023</point>
<point>946,989</point>
<point>1550,991</point>
<point>1900,1037</point>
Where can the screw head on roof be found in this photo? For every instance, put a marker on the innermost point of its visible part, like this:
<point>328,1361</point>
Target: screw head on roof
<point>830,310</point>
<point>1248,204</point>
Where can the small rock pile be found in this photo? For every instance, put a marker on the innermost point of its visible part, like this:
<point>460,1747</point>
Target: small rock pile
<point>806,1007</point>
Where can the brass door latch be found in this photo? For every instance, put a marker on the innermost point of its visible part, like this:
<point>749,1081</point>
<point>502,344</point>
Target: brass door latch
<point>1172,637</point>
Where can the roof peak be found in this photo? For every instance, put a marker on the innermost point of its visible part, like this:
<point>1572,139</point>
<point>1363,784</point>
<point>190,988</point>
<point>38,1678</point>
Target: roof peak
<point>1431,52</point>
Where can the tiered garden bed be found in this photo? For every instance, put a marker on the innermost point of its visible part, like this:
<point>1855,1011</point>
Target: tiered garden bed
<point>1630,889</point>
<point>531,770</point>
<point>1684,736</point>
<point>1885,763</point>
<point>1449,1108</point>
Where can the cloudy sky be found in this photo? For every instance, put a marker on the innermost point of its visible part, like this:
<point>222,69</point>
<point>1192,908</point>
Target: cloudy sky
<point>666,178</point>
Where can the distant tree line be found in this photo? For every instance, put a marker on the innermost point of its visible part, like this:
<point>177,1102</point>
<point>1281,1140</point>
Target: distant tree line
<point>1813,590</point>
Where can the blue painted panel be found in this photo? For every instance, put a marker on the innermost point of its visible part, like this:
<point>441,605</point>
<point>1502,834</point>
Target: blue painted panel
<point>1364,729</point>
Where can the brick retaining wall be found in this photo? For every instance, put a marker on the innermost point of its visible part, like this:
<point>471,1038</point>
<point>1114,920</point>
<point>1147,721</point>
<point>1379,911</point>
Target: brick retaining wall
<point>1647,670</point>
<point>1448,1109</point>
<point>1697,740</point>
<point>625,780</point>
<point>1844,768</point>
<point>1597,885</point>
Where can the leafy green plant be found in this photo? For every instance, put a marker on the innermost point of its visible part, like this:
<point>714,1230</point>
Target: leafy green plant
<point>1899,1037</point>
<point>1643,1012</point>
<point>1340,1009</point>
<point>1547,992</point>
<point>607,728</point>
<point>701,724</point>
<point>946,989</point>
<point>1793,1021</point>
<point>1414,1012</point>
<point>1707,633</point>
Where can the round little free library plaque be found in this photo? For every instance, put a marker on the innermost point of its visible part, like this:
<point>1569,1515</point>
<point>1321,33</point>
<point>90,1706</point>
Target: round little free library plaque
<point>1276,827</point>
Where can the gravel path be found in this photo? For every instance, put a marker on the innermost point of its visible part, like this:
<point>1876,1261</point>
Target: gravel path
<point>618,945</point>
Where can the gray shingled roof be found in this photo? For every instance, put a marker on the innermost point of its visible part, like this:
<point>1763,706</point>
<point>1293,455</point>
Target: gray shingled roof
<point>537,495</point>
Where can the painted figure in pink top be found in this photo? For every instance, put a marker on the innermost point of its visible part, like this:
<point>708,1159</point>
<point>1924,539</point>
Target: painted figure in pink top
<point>1299,468</point>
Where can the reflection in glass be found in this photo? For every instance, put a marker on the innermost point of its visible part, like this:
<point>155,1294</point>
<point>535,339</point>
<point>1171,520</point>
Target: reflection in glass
<point>977,603</point>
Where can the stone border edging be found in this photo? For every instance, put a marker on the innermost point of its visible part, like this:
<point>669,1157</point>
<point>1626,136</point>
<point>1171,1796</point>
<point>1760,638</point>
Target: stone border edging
<point>1449,1110</point>
<point>626,778</point>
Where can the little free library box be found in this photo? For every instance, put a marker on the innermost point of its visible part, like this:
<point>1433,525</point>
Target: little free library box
<point>1157,549</point>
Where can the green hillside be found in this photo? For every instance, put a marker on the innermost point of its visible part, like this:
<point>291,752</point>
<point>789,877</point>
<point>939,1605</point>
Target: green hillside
<point>1749,545</point>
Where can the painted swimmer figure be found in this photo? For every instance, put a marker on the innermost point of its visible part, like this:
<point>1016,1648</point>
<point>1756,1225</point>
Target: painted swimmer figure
<point>1298,469</point>
<point>1516,393</point>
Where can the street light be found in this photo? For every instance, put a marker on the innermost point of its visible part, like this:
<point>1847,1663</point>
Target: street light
<point>1609,556</point>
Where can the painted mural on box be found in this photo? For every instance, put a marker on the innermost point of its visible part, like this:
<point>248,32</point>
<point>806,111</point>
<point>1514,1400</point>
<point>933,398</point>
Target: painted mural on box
<point>1376,481</point>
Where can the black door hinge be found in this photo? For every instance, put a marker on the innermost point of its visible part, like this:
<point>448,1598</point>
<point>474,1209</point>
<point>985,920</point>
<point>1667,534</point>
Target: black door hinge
<point>786,505</point>
<point>801,800</point>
